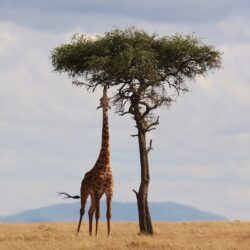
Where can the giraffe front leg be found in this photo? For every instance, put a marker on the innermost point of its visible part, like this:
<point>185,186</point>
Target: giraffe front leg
<point>97,212</point>
<point>108,213</point>
<point>91,213</point>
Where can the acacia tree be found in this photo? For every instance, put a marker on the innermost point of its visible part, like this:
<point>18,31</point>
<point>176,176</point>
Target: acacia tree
<point>147,72</point>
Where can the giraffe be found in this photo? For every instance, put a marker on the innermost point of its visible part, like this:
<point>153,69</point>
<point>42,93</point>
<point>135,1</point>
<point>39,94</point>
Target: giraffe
<point>99,179</point>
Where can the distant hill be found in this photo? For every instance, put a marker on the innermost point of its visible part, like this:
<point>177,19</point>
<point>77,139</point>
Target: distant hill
<point>69,212</point>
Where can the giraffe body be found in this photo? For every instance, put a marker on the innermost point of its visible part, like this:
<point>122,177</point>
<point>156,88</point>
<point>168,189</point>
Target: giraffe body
<point>99,179</point>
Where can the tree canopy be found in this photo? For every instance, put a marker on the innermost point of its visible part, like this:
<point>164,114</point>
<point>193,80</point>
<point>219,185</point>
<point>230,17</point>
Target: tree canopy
<point>152,68</point>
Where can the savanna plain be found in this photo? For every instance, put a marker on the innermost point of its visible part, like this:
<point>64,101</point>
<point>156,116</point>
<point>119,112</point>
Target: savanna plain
<point>183,235</point>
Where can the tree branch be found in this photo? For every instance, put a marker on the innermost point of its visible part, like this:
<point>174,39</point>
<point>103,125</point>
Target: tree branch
<point>147,111</point>
<point>149,127</point>
<point>87,85</point>
<point>134,135</point>
<point>136,193</point>
<point>148,130</point>
<point>150,146</point>
<point>130,111</point>
<point>76,82</point>
<point>180,67</point>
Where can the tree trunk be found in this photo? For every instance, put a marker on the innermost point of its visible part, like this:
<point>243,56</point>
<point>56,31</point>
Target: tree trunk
<point>142,196</point>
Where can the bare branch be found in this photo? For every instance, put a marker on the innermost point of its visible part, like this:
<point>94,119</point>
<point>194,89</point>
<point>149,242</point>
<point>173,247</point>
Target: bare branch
<point>136,193</point>
<point>76,82</point>
<point>149,127</point>
<point>145,104</point>
<point>124,113</point>
<point>87,85</point>
<point>95,86</point>
<point>134,135</point>
<point>130,111</point>
<point>150,146</point>
<point>147,111</point>
<point>148,130</point>
<point>121,88</point>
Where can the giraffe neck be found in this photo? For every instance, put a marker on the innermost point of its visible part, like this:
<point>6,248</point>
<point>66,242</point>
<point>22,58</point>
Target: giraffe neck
<point>104,157</point>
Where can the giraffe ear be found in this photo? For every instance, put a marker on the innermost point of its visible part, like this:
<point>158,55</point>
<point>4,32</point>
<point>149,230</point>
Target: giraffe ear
<point>98,107</point>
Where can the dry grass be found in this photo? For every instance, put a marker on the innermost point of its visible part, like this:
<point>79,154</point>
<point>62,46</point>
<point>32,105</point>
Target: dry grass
<point>203,236</point>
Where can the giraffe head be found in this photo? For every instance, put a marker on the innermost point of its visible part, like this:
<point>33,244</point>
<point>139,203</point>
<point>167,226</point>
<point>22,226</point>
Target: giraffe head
<point>104,101</point>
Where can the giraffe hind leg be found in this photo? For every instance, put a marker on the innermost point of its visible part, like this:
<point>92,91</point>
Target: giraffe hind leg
<point>84,197</point>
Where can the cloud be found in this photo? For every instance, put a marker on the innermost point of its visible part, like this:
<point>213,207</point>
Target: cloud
<point>51,14</point>
<point>235,28</point>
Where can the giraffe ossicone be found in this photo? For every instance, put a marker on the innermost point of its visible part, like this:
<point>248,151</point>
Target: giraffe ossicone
<point>99,180</point>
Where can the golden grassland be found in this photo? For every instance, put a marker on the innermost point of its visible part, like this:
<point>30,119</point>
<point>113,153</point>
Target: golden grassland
<point>200,235</point>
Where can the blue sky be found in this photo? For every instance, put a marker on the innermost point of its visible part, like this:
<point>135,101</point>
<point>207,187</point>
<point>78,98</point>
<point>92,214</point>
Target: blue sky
<point>50,130</point>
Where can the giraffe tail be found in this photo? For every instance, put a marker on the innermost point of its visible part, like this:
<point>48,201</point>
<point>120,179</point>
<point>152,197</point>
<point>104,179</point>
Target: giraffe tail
<point>66,196</point>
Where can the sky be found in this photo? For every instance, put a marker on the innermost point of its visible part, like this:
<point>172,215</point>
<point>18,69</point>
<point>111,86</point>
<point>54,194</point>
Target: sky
<point>50,130</point>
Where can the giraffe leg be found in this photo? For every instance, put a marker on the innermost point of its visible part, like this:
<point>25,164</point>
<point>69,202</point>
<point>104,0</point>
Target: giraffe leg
<point>97,212</point>
<point>84,197</point>
<point>108,214</point>
<point>91,213</point>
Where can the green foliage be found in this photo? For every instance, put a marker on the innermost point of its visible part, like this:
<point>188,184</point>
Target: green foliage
<point>148,70</point>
